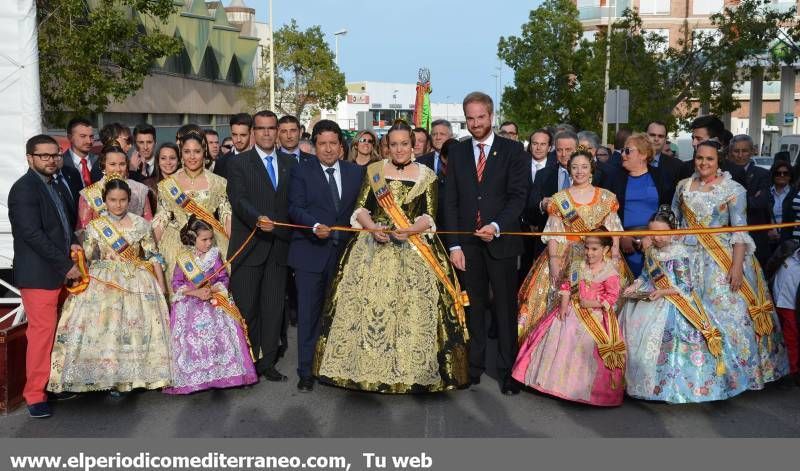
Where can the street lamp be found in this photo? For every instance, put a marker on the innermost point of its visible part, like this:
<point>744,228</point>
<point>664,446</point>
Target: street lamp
<point>271,62</point>
<point>496,92</point>
<point>604,138</point>
<point>336,35</point>
<point>396,109</point>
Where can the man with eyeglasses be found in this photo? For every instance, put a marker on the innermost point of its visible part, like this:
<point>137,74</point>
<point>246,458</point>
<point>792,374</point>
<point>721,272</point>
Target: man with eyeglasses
<point>43,237</point>
<point>79,156</point>
<point>757,184</point>
<point>511,130</point>
<point>226,146</point>
<point>241,130</point>
<point>258,190</point>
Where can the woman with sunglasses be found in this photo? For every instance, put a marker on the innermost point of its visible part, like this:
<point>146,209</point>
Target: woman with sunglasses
<point>725,273</point>
<point>363,150</point>
<point>640,191</point>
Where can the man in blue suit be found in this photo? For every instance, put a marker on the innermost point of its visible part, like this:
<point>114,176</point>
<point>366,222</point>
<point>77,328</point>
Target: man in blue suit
<point>322,194</point>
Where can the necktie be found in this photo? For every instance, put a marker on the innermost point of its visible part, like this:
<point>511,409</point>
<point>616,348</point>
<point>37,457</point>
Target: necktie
<point>481,166</point>
<point>333,187</point>
<point>52,187</point>
<point>271,172</point>
<point>481,162</point>
<point>86,175</point>
<point>564,180</point>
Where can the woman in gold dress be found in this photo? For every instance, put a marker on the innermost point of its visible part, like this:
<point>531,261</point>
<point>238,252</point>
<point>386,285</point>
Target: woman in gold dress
<point>393,321</point>
<point>580,208</point>
<point>190,190</point>
<point>115,334</point>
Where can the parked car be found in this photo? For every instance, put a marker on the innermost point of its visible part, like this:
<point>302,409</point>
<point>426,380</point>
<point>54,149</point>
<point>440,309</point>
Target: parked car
<point>764,161</point>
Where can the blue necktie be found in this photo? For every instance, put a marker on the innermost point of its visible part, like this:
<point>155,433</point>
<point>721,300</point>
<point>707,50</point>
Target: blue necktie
<point>271,172</point>
<point>565,181</point>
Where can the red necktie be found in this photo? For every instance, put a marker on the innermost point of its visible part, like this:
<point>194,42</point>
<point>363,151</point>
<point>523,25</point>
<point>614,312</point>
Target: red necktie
<point>85,174</point>
<point>481,166</point>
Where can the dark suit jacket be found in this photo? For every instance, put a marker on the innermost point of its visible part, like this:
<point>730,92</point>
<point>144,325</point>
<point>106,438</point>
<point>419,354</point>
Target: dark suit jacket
<point>221,164</point>
<point>74,182</point>
<point>95,170</point>
<point>428,160</point>
<point>759,210</point>
<point>41,254</point>
<point>670,169</point>
<point>310,202</point>
<point>251,195</point>
<point>664,187</point>
<point>304,156</point>
<point>544,186</point>
<point>789,215</point>
<point>500,196</point>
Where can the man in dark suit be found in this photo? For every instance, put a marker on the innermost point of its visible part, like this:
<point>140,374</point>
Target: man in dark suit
<point>322,194</point>
<point>70,184</point>
<point>43,238</point>
<point>436,160</point>
<point>258,189</point>
<point>669,167</point>
<point>757,184</point>
<point>551,179</point>
<point>289,138</point>
<point>79,156</point>
<point>486,188</point>
<point>706,128</point>
<point>539,144</point>
<point>241,125</point>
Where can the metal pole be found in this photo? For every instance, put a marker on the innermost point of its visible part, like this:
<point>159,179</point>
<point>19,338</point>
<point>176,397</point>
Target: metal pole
<point>271,62</point>
<point>336,57</point>
<point>616,112</point>
<point>604,137</point>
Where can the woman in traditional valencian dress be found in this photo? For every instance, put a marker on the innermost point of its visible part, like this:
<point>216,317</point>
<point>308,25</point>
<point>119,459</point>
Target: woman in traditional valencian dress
<point>676,353</point>
<point>725,272</point>
<point>191,190</point>
<point>580,208</point>
<point>115,334</point>
<point>209,336</point>
<point>394,320</point>
<point>577,351</point>
<point>114,163</point>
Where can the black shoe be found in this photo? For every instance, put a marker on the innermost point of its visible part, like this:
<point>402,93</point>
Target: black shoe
<point>306,385</point>
<point>271,374</point>
<point>510,386</point>
<point>62,396</point>
<point>40,410</point>
<point>474,380</point>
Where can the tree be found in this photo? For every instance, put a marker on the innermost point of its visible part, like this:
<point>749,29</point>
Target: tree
<point>544,62</point>
<point>307,77</point>
<point>663,81</point>
<point>91,51</point>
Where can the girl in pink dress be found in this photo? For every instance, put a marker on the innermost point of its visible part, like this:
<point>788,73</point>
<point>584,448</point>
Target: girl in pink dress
<point>576,351</point>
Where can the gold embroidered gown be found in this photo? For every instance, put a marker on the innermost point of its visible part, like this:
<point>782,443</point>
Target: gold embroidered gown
<point>389,324</point>
<point>114,335</point>
<point>536,296</point>
<point>171,217</point>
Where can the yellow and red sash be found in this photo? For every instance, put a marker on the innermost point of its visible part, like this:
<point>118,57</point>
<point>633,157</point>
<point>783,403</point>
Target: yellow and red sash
<point>170,187</point>
<point>383,194</point>
<point>191,268</point>
<point>569,213</point>
<point>79,286</point>
<point>610,343</point>
<point>759,306</point>
<point>695,316</point>
<point>94,195</point>
<point>112,237</point>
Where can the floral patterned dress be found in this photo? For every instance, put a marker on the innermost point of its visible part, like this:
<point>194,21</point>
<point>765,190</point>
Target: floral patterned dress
<point>114,335</point>
<point>762,358</point>
<point>668,358</point>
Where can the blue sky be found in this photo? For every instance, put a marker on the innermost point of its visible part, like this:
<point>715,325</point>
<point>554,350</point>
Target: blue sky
<point>389,41</point>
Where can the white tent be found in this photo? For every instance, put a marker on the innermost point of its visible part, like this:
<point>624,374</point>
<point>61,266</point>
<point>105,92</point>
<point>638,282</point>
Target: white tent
<point>20,107</point>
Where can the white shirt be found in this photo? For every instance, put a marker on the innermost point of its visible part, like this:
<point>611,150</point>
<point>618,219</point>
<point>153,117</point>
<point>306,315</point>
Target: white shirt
<point>295,153</point>
<point>263,154</point>
<point>151,166</point>
<point>486,148</point>
<point>337,175</point>
<point>786,281</point>
<point>536,166</point>
<point>76,159</point>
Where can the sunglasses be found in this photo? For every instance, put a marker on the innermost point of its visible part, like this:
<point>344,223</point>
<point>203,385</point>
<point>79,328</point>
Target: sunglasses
<point>226,146</point>
<point>627,150</point>
<point>366,140</point>
<point>783,173</point>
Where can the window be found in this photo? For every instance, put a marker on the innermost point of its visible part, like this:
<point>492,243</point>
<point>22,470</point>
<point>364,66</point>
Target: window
<point>589,35</point>
<point>707,7</point>
<point>660,46</point>
<point>706,33</point>
<point>654,7</point>
<point>588,3</point>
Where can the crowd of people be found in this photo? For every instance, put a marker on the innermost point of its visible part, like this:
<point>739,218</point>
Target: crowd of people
<point>180,266</point>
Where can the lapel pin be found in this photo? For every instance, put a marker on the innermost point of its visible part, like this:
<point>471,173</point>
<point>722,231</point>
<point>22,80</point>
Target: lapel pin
<point>494,152</point>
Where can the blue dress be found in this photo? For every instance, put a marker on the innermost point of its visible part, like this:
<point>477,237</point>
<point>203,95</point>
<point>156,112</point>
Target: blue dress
<point>641,202</point>
<point>668,358</point>
<point>763,358</point>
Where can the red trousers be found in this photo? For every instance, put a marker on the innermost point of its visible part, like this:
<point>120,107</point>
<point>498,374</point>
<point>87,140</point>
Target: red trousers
<point>41,308</point>
<point>790,337</point>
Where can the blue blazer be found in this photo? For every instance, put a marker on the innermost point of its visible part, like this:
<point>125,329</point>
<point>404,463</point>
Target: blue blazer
<point>310,202</point>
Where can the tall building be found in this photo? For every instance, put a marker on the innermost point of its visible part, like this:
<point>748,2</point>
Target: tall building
<point>667,18</point>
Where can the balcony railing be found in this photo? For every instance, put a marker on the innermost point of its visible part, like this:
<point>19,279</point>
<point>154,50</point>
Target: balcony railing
<point>597,12</point>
